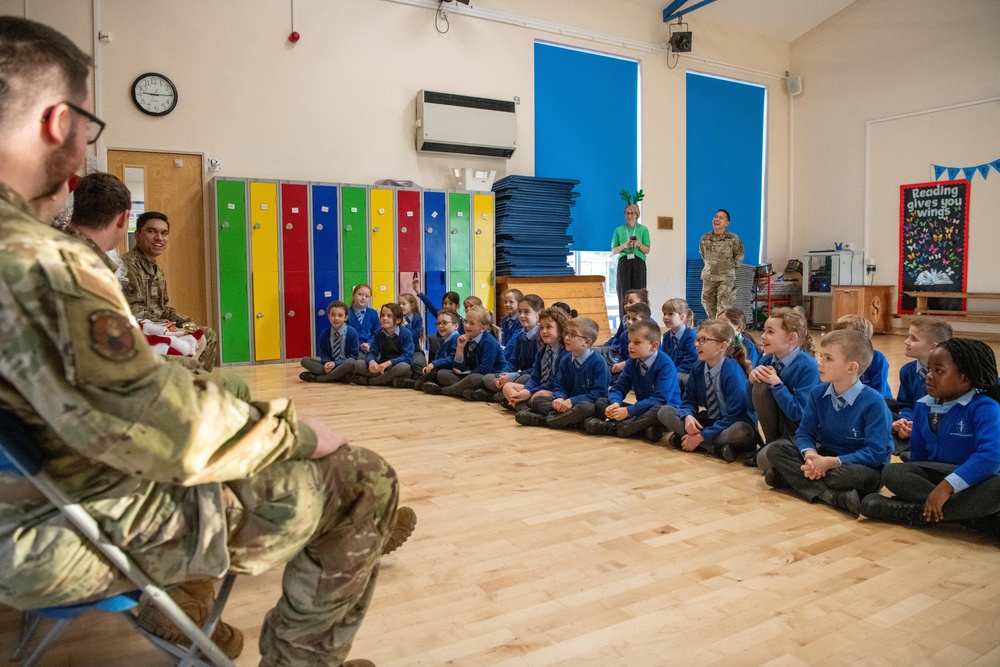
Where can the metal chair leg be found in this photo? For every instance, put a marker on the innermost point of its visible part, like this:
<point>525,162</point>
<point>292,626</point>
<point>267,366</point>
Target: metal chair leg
<point>47,640</point>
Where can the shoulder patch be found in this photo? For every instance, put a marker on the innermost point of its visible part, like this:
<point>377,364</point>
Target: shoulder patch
<point>112,335</point>
<point>100,283</point>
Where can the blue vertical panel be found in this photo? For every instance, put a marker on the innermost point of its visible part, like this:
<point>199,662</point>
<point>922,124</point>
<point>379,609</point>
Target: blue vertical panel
<point>587,128</point>
<point>326,251</point>
<point>725,159</point>
<point>435,251</point>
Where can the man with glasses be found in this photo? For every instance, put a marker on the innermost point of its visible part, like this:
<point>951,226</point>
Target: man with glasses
<point>187,478</point>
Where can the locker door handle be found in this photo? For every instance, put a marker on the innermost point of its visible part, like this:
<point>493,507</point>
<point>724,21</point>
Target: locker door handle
<point>256,225</point>
<point>288,226</point>
<point>321,312</point>
<point>260,315</point>
<point>225,225</point>
<point>454,231</point>
<point>319,227</point>
<point>376,229</point>
<point>348,228</point>
<point>227,316</point>
<point>430,230</point>
<point>479,231</point>
<point>291,313</point>
<point>403,230</point>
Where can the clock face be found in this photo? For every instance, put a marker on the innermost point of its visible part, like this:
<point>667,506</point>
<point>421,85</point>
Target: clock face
<point>154,94</point>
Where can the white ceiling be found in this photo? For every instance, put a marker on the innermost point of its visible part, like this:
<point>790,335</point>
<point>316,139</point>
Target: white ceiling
<point>782,19</point>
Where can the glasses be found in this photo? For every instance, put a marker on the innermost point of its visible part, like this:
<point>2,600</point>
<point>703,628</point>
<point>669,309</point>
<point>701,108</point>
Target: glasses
<point>95,126</point>
<point>573,335</point>
<point>701,340</point>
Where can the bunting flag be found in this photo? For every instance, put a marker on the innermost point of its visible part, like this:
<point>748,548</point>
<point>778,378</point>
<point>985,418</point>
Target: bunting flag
<point>983,169</point>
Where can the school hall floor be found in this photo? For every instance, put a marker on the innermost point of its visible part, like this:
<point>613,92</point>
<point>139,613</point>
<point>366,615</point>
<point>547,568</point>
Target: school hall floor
<point>536,547</point>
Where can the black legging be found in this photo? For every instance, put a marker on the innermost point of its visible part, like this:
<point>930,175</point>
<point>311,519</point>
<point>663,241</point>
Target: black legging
<point>631,275</point>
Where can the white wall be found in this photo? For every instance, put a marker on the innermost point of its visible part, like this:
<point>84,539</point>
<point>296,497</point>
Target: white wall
<point>879,59</point>
<point>339,105</point>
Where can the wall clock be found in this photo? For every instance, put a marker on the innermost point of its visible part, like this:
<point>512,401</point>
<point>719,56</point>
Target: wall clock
<point>154,94</point>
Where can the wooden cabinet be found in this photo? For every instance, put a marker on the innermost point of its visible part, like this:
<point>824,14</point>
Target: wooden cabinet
<point>871,301</point>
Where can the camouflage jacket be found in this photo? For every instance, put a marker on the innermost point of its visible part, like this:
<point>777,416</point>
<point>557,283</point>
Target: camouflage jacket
<point>80,236</point>
<point>722,254</point>
<point>146,289</point>
<point>142,443</point>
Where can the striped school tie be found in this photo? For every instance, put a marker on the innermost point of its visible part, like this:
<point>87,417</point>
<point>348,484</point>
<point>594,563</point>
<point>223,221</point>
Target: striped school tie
<point>337,344</point>
<point>838,402</point>
<point>777,365</point>
<point>547,364</point>
<point>711,398</point>
<point>642,369</point>
<point>922,372</point>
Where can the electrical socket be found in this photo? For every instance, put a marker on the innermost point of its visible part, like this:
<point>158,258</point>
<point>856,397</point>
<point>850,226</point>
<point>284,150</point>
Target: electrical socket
<point>871,268</point>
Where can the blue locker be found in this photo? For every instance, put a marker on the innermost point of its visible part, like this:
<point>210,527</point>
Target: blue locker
<point>435,251</point>
<point>326,251</point>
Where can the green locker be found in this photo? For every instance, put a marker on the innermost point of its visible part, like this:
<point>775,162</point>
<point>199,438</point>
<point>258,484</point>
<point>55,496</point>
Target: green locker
<point>459,225</point>
<point>352,278</point>
<point>354,236</point>
<point>231,228</point>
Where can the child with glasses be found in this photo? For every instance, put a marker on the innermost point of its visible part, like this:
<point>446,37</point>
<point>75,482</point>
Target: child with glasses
<point>581,380</point>
<point>714,413</point>
<point>477,353</point>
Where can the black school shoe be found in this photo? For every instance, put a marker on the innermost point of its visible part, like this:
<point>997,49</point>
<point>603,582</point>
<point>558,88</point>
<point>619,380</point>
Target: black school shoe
<point>876,506</point>
<point>595,426</point>
<point>529,418</point>
<point>404,383</point>
<point>307,377</point>
<point>432,388</point>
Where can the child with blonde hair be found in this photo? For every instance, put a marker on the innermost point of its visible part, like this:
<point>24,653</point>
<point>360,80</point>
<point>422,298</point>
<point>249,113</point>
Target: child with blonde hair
<point>508,325</point>
<point>413,321</point>
<point>361,318</point>
<point>735,318</point>
<point>477,353</point>
<point>877,374</point>
<point>925,333</point>
<point>678,341</point>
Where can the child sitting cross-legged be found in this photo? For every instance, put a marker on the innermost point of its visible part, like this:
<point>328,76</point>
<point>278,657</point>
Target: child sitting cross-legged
<point>552,327</point>
<point>714,412</point>
<point>413,321</point>
<point>954,469</point>
<point>519,355</point>
<point>582,379</point>
<point>843,441</point>
<point>877,375</point>
<point>637,312</point>
<point>924,334</point>
<point>338,347</point>
<point>678,341</point>
<point>447,334</point>
<point>735,318</point>
<point>477,353</point>
<point>391,351</point>
<point>509,323</point>
<point>650,374</point>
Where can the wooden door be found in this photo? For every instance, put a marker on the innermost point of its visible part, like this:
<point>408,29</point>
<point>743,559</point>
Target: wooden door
<point>174,184</point>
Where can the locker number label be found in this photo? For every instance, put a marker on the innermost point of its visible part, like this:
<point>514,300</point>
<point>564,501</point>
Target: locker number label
<point>354,209</point>
<point>485,217</point>
<point>325,209</point>
<point>409,214</point>
<point>231,207</point>
<point>327,294</point>
<point>263,207</point>
<point>381,288</point>
<point>458,285</point>
<point>381,211</point>
<point>461,214</point>
<point>295,209</point>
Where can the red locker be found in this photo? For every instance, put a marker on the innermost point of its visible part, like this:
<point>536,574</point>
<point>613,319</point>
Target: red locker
<point>408,229</point>
<point>295,269</point>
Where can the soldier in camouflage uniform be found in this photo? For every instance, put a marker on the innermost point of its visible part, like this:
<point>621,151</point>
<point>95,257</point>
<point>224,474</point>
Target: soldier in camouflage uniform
<point>146,284</point>
<point>189,480</point>
<point>722,252</point>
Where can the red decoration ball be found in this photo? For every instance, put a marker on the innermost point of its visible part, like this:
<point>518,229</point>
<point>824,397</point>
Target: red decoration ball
<point>294,37</point>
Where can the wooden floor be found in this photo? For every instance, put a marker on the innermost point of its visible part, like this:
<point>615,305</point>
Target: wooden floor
<point>536,547</point>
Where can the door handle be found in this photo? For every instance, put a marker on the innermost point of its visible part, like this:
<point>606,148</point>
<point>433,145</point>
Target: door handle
<point>288,226</point>
<point>227,316</point>
<point>291,313</point>
<point>225,225</point>
<point>256,225</point>
<point>260,315</point>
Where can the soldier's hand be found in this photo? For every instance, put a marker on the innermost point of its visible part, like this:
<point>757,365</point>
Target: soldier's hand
<point>327,440</point>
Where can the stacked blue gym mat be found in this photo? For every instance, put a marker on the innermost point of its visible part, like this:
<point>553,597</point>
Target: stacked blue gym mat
<point>532,218</point>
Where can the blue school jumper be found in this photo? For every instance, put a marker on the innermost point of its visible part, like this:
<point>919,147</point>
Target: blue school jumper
<point>968,435</point>
<point>349,341</point>
<point>616,334</point>
<point>383,345</point>
<point>366,326</point>
<point>415,323</point>
<point>620,344</point>
<point>433,310</point>
<point>912,387</point>
<point>508,327</point>
<point>659,386</point>
<point>877,375</point>
<point>752,353</point>
<point>858,433</point>
<point>798,376</point>
<point>681,350</point>
<point>731,394</point>
<point>486,358</point>
<point>587,382</point>
<point>446,353</point>
<point>519,355</point>
<point>538,382</point>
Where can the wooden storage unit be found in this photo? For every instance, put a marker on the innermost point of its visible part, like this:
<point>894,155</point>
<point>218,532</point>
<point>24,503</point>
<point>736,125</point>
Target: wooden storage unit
<point>873,302</point>
<point>584,293</point>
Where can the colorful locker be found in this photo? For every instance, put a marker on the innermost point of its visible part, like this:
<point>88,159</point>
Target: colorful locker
<point>234,315</point>
<point>483,248</point>
<point>435,282</point>
<point>295,269</point>
<point>264,262</point>
<point>382,218</point>
<point>459,244</point>
<point>407,237</point>
<point>354,238</point>
<point>325,253</point>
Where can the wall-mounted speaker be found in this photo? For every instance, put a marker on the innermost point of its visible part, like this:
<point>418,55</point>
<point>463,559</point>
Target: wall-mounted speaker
<point>793,84</point>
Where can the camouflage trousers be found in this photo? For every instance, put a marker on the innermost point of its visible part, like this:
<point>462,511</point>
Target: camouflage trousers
<point>717,295</point>
<point>209,356</point>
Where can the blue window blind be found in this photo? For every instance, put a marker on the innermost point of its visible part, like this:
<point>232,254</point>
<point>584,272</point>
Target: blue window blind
<point>587,128</point>
<point>725,159</point>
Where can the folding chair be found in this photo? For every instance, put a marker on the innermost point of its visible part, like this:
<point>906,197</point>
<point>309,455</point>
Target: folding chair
<point>18,453</point>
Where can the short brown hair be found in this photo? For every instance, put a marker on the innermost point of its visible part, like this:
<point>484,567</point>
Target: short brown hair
<point>98,199</point>
<point>647,329</point>
<point>336,304</point>
<point>857,323</point>
<point>533,300</point>
<point>586,327</point>
<point>449,315</point>
<point>854,345</point>
<point>933,328</point>
<point>640,309</point>
<point>395,309</point>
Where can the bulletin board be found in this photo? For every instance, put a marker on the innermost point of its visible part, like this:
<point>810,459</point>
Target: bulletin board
<point>933,242</point>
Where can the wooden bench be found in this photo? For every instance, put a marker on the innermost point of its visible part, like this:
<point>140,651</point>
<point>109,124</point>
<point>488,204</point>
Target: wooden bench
<point>584,293</point>
<point>976,316</point>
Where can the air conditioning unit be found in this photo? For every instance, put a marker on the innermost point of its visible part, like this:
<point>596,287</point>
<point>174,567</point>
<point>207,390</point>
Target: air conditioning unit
<point>449,123</point>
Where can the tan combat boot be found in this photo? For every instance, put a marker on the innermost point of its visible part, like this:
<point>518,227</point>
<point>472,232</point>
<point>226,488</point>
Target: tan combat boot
<point>195,598</point>
<point>406,521</point>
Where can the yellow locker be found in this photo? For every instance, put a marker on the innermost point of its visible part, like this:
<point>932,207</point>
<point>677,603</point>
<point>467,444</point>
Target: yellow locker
<point>264,226</point>
<point>483,288</point>
<point>383,288</point>
<point>483,236</point>
<point>382,216</point>
<point>266,316</point>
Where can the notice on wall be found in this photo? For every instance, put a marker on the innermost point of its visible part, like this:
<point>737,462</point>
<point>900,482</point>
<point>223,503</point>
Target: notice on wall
<point>933,242</point>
